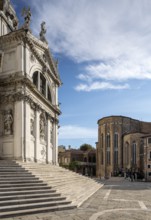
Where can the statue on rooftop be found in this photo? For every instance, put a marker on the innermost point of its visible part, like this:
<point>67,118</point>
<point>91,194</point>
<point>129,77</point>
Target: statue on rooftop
<point>43,32</point>
<point>6,6</point>
<point>27,16</point>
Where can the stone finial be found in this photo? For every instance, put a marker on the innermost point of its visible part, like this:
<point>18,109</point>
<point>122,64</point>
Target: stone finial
<point>43,32</point>
<point>27,16</point>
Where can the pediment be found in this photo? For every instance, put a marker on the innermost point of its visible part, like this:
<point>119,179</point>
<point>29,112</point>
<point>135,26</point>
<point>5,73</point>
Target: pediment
<point>42,53</point>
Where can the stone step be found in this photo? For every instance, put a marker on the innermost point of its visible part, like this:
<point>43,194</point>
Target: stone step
<point>35,210</point>
<point>31,205</point>
<point>16,175</point>
<point>23,188</point>
<point>19,178</point>
<point>26,196</point>
<point>4,193</point>
<point>12,181</point>
<point>22,184</point>
<point>30,200</point>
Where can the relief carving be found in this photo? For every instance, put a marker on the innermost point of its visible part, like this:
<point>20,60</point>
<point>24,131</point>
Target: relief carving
<point>32,126</point>
<point>8,122</point>
<point>42,126</point>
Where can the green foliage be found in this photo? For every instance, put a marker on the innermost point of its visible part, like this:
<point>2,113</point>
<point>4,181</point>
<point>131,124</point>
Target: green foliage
<point>85,147</point>
<point>73,165</point>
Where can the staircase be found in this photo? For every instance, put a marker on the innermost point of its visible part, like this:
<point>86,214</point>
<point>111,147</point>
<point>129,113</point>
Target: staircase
<point>73,186</point>
<point>21,192</point>
<point>28,188</point>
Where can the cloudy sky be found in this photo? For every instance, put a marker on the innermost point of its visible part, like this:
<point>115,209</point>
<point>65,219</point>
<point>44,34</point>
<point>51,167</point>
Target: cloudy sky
<point>104,52</point>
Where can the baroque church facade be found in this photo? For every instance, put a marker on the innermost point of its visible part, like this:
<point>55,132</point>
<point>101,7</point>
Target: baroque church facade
<point>120,147</point>
<point>29,82</point>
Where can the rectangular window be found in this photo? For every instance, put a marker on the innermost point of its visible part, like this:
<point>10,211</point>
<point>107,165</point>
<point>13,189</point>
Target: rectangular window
<point>149,166</point>
<point>102,161</point>
<point>134,153</point>
<point>108,157</point>
<point>102,140</point>
<point>149,140</point>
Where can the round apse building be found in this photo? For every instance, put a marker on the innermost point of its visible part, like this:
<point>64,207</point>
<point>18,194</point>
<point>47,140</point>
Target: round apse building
<point>119,145</point>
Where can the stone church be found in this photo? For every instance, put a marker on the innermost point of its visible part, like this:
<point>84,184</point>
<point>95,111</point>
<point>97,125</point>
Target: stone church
<point>120,146</point>
<point>29,82</point>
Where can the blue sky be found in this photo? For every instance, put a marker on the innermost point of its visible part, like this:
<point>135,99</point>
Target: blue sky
<point>104,53</point>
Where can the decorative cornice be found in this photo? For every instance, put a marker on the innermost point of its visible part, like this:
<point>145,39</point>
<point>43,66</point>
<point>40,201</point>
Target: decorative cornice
<point>24,81</point>
<point>18,96</point>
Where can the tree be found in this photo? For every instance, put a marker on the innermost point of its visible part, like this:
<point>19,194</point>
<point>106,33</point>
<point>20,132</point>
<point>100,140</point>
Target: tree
<point>85,147</point>
<point>73,165</point>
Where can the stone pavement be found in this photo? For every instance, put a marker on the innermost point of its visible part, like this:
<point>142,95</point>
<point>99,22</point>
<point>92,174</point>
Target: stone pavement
<point>118,199</point>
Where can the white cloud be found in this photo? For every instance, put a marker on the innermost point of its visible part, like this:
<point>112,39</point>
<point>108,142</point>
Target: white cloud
<point>76,132</point>
<point>100,86</point>
<point>114,34</point>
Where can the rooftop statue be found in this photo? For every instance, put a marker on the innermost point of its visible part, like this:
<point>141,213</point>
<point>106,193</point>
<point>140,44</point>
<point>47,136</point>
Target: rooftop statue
<point>27,16</point>
<point>8,11</point>
<point>43,32</point>
<point>6,6</point>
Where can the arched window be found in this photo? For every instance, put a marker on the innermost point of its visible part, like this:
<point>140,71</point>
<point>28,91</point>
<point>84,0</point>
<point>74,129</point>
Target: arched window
<point>134,153</point>
<point>126,153</point>
<point>102,141</point>
<point>108,148</point>
<point>49,95</point>
<point>42,84</point>
<point>116,149</point>
<point>35,79</point>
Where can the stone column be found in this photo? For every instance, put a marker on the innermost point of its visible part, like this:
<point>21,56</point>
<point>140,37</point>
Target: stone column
<point>27,116</point>
<point>48,141</point>
<point>18,130</point>
<point>37,135</point>
<point>55,143</point>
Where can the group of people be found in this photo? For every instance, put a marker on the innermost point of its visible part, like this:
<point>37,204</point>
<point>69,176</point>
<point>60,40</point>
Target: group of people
<point>132,176</point>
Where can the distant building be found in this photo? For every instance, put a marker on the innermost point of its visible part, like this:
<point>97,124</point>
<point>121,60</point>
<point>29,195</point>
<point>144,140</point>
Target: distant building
<point>120,147</point>
<point>83,162</point>
<point>147,156</point>
<point>61,148</point>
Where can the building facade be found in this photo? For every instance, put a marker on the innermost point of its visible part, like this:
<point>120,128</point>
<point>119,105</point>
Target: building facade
<point>120,146</point>
<point>29,82</point>
<point>147,156</point>
<point>83,162</point>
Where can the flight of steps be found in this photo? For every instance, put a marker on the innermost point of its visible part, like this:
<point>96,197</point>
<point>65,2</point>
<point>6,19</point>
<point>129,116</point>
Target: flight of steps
<point>21,192</point>
<point>73,186</point>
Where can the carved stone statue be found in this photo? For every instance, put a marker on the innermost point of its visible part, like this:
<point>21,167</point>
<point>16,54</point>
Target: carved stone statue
<point>43,32</point>
<point>9,14</point>
<point>27,16</point>
<point>32,126</point>
<point>8,122</point>
<point>51,133</point>
<point>42,127</point>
